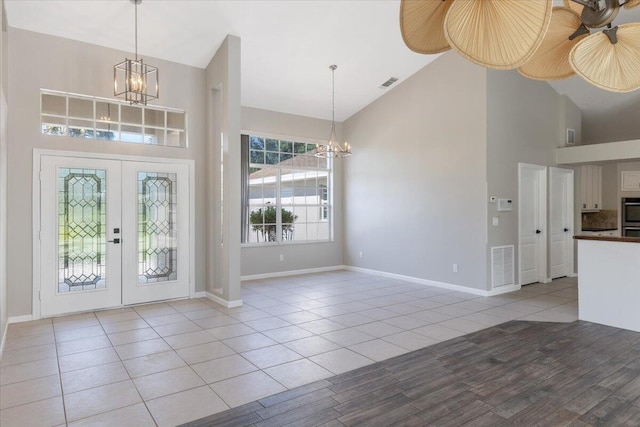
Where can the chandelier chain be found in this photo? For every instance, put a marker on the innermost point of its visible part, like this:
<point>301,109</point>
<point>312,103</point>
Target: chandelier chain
<point>136,28</point>
<point>333,94</point>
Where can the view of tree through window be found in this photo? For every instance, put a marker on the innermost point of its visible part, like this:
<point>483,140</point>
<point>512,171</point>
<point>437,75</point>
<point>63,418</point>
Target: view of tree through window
<point>288,192</point>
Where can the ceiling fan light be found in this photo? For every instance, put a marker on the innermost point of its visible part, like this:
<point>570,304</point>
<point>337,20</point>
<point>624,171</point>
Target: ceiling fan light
<point>501,34</point>
<point>551,60</point>
<point>613,67</point>
<point>422,25</point>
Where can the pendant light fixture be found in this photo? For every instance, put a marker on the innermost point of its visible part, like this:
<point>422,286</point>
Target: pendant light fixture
<point>333,148</point>
<point>133,80</point>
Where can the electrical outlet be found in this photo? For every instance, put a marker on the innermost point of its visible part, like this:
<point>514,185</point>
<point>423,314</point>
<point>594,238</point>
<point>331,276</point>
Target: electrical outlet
<point>281,257</point>
<point>361,254</point>
<point>455,268</point>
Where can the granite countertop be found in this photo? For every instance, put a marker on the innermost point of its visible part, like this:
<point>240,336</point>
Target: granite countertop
<point>609,238</point>
<point>599,229</point>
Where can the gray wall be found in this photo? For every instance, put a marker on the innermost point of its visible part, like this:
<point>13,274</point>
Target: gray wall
<point>619,123</point>
<point>570,117</point>
<point>610,186</point>
<point>223,183</point>
<point>266,259</point>
<point>523,121</point>
<point>3,175</point>
<point>40,61</point>
<point>415,187</point>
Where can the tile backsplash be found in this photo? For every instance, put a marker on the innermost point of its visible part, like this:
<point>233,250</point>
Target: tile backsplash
<point>602,219</point>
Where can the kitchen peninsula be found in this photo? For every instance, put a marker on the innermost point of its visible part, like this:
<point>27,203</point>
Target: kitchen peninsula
<point>609,281</point>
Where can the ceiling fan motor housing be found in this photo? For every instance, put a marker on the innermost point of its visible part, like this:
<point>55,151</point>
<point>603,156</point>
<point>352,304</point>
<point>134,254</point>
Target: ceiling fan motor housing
<point>596,18</point>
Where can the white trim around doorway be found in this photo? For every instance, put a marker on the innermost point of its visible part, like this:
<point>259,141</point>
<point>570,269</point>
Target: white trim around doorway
<point>37,155</point>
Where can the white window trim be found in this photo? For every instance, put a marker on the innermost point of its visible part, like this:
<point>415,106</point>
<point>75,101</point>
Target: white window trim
<point>323,204</point>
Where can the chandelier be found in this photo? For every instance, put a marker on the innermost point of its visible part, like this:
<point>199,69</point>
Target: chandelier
<point>333,148</point>
<point>133,80</point>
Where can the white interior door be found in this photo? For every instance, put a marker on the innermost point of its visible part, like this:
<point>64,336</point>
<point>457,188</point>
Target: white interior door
<point>112,233</point>
<point>79,261</point>
<point>561,222</point>
<point>156,220</point>
<point>532,219</point>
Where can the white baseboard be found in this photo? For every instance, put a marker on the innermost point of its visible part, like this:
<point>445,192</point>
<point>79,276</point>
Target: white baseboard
<point>435,283</point>
<point>292,272</point>
<point>573,275</point>
<point>503,290</point>
<point>4,337</point>
<point>20,319</point>
<point>199,294</point>
<point>223,302</point>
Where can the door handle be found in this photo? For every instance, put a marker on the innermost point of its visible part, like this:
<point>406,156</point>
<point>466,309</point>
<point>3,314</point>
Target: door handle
<point>538,231</point>
<point>566,229</point>
<point>115,241</point>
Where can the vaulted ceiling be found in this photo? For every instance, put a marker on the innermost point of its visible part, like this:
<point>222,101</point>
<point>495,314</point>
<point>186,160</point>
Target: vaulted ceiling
<point>287,47</point>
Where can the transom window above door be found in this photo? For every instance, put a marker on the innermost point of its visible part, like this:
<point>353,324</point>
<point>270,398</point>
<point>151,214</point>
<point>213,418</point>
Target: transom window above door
<point>87,117</point>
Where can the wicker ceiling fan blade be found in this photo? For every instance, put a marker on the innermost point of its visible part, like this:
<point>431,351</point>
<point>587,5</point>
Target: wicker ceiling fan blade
<point>610,66</point>
<point>551,60</point>
<point>576,7</point>
<point>500,34</point>
<point>630,4</point>
<point>421,25</point>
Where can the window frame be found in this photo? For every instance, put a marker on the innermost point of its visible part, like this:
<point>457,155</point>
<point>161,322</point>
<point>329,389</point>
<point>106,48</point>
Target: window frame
<point>324,204</point>
<point>97,123</point>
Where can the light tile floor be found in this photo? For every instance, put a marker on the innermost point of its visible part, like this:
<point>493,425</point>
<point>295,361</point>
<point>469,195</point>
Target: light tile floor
<point>168,363</point>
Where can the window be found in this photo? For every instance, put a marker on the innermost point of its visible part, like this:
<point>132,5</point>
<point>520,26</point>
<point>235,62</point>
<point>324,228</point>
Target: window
<point>286,191</point>
<point>88,117</point>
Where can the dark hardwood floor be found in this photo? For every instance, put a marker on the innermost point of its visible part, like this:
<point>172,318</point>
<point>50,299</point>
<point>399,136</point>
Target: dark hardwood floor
<point>515,374</point>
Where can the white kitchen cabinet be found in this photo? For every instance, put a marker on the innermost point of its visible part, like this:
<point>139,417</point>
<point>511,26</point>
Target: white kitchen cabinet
<point>630,180</point>
<point>591,188</point>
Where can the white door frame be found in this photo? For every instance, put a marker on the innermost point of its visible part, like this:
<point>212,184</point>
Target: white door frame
<point>37,155</point>
<point>542,215</point>
<point>569,205</point>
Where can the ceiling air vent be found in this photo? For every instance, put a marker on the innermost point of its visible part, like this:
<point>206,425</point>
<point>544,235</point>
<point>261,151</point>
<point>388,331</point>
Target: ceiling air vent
<point>388,83</point>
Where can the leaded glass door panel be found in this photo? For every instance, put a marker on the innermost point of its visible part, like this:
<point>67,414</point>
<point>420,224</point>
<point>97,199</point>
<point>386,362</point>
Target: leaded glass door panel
<point>156,259</point>
<point>81,208</point>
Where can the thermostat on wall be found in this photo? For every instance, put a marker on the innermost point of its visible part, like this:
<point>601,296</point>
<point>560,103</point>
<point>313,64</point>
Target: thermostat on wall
<point>505,205</point>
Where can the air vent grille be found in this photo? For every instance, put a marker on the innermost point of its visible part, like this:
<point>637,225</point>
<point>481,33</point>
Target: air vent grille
<point>571,136</point>
<point>388,83</point>
<point>501,266</point>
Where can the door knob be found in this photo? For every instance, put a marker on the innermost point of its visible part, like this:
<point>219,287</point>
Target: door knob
<point>566,229</point>
<point>538,231</point>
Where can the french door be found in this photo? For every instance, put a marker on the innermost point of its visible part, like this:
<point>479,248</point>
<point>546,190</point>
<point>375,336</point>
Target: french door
<point>112,233</point>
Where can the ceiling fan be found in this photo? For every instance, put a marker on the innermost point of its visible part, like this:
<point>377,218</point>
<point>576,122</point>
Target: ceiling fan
<point>543,42</point>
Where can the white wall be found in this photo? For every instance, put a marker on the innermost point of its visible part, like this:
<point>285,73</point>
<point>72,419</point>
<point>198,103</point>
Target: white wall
<point>415,187</point>
<point>266,259</point>
<point>40,61</point>
<point>523,122</point>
